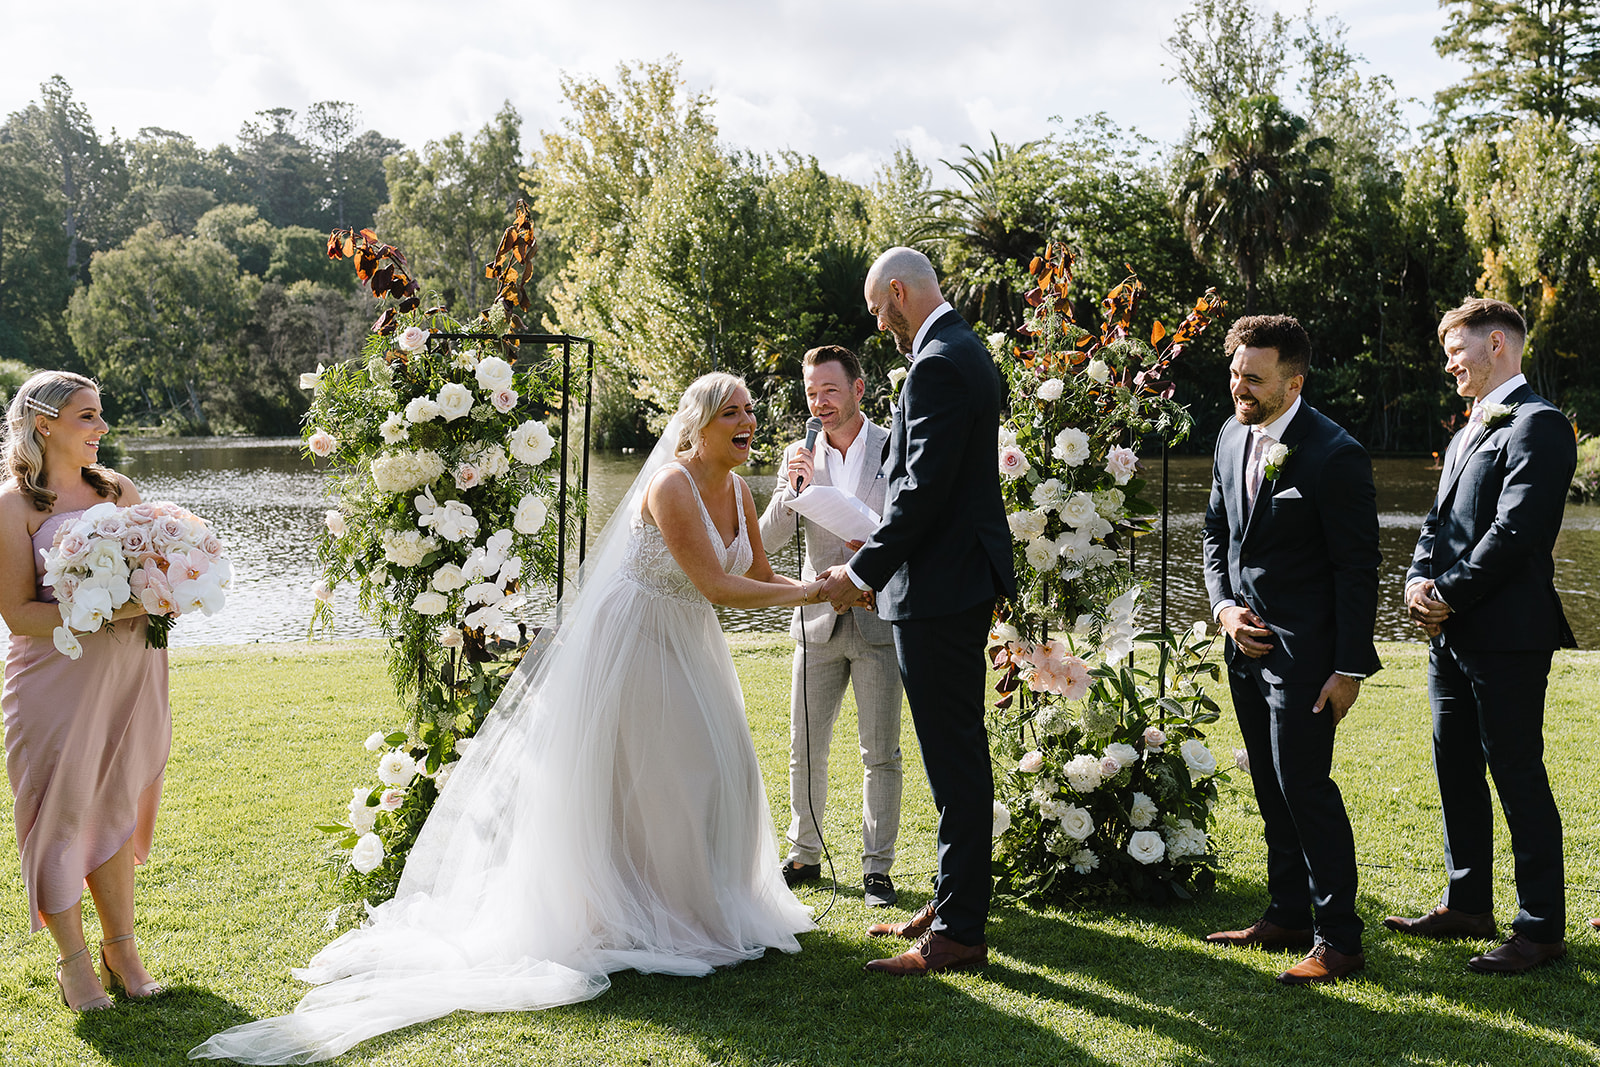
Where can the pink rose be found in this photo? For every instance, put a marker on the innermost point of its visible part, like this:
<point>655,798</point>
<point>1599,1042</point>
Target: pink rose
<point>467,476</point>
<point>210,545</point>
<point>1032,763</point>
<point>391,799</point>
<point>322,443</point>
<point>1121,463</point>
<point>136,541</point>
<point>413,339</point>
<point>1109,767</point>
<point>1013,464</point>
<point>111,525</point>
<point>504,400</point>
<point>167,529</point>
<point>141,513</point>
<point>1154,738</point>
<point>71,545</point>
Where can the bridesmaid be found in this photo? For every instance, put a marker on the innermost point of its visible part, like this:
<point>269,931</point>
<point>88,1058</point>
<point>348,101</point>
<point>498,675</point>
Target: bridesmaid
<point>87,739</point>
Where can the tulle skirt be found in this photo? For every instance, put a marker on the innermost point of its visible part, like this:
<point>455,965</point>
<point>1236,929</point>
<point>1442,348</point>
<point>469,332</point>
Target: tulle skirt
<point>609,816</point>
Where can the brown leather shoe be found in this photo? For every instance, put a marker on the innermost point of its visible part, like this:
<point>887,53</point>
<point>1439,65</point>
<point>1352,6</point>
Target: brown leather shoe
<point>931,954</point>
<point>1263,934</point>
<point>1446,924</point>
<point>1517,955</point>
<point>1324,964</point>
<point>911,929</point>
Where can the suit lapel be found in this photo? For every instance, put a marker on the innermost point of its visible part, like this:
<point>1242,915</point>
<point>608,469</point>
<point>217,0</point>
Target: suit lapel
<point>1294,434</point>
<point>869,471</point>
<point>1470,441</point>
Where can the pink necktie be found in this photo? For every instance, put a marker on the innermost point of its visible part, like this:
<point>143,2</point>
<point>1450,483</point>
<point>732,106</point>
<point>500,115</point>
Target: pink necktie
<point>1258,449</point>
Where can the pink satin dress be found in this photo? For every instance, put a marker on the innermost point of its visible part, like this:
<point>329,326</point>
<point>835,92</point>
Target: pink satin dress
<point>86,746</point>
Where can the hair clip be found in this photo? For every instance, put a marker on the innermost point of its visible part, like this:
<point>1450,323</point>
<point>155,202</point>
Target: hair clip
<point>41,407</point>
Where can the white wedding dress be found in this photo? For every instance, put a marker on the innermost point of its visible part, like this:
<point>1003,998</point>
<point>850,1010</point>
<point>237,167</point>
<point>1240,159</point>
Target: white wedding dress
<point>610,816</point>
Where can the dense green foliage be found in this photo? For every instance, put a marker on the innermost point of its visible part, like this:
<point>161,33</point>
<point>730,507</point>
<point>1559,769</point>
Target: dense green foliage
<point>1297,189</point>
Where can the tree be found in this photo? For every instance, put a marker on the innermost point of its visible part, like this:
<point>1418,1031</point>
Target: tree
<point>34,283</point>
<point>160,320</point>
<point>171,180</point>
<point>1226,52</point>
<point>1256,190</point>
<point>352,163</point>
<point>58,135</point>
<point>284,178</point>
<point>1530,59</point>
<point>449,204</point>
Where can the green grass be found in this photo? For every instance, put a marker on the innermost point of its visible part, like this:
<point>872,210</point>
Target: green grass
<point>267,740</point>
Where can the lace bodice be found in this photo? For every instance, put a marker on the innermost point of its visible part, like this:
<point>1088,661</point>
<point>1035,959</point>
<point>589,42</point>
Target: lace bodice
<point>649,564</point>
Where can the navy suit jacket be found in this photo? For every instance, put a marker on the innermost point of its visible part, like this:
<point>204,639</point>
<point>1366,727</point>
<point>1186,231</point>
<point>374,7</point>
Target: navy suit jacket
<point>1306,559</point>
<point>944,545</point>
<point>1487,543</point>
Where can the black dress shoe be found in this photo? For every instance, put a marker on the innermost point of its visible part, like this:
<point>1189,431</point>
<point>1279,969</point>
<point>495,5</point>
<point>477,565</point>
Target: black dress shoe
<point>797,873</point>
<point>879,891</point>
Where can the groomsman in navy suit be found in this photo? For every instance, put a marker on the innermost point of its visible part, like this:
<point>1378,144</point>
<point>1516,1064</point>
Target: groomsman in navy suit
<point>1482,586</point>
<point>938,561</point>
<point>1291,566</point>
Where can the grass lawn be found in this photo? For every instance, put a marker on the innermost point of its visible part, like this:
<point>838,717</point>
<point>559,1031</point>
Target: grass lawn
<point>267,740</point>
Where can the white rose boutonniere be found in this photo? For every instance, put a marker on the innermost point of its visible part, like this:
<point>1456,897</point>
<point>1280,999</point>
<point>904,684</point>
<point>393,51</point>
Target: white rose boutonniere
<point>1278,454</point>
<point>1497,414</point>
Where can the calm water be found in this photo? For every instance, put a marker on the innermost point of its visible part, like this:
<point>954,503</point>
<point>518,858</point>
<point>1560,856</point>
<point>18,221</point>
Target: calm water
<point>266,503</point>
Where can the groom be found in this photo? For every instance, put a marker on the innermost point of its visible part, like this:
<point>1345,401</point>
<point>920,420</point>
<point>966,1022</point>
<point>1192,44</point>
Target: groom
<point>938,561</point>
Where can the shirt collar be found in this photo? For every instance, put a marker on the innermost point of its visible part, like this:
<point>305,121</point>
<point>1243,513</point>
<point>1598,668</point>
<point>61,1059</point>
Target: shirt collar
<point>922,332</point>
<point>1503,390</point>
<point>861,434</point>
<point>1275,428</point>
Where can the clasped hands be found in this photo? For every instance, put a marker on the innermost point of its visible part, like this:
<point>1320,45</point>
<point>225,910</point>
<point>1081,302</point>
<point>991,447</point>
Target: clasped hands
<point>1425,607</point>
<point>1251,636</point>
<point>843,593</point>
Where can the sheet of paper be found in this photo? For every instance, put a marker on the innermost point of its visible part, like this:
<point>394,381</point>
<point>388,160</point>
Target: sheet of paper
<point>837,512</point>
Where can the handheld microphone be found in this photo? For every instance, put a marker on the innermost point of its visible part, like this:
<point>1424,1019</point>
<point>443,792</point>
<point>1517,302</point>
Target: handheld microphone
<point>813,427</point>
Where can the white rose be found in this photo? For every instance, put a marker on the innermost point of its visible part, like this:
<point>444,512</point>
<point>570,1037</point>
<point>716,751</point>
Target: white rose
<point>1078,509</point>
<point>396,768</point>
<point>1125,755</point>
<point>362,815</point>
<point>1198,758</point>
<point>531,514</point>
<point>448,578</point>
<point>322,443</point>
<point>1006,438</point>
<point>1041,553</point>
<point>1072,446</point>
<point>1108,503</point>
<point>375,742</point>
<point>1031,763</point>
<point>531,443</point>
<point>1098,371</point>
<point>493,374</point>
<point>997,339</point>
<point>1083,861</point>
<point>1121,463</point>
<point>1142,812</point>
<point>1004,634</point>
<point>334,521</point>
<point>394,429</point>
<point>450,636</point>
<point>1077,823</point>
<point>1026,525</point>
<point>1013,464</point>
<point>1146,846</point>
<point>1277,454</point>
<point>1154,738</point>
<point>413,339</point>
<point>1047,495</point>
<point>422,409</point>
<point>430,603</point>
<point>1050,389</point>
<point>1186,840</point>
<point>1002,819</point>
<point>367,856</point>
<point>454,400</point>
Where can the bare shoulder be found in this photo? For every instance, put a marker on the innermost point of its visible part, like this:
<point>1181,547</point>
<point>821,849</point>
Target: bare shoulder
<point>130,492</point>
<point>15,505</point>
<point>668,491</point>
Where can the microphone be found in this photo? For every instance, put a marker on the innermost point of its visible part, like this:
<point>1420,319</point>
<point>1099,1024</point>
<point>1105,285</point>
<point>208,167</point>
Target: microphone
<point>813,427</point>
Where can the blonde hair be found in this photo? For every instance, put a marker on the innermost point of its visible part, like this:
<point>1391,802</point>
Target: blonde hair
<point>46,393</point>
<point>698,406</point>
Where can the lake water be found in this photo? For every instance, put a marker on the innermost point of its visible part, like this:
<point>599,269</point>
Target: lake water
<point>265,501</point>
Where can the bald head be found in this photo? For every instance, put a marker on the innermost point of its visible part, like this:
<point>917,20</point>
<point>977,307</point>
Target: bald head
<point>902,290</point>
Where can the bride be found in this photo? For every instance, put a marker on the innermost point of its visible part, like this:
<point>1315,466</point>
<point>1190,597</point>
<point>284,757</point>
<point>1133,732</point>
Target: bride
<point>611,813</point>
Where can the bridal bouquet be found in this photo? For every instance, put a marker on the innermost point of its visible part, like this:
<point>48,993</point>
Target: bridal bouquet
<point>159,555</point>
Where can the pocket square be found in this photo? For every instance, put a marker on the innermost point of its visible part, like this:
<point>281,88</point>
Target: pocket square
<point>1290,493</point>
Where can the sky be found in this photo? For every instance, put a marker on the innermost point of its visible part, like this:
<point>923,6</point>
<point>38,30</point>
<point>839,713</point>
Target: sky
<point>845,81</point>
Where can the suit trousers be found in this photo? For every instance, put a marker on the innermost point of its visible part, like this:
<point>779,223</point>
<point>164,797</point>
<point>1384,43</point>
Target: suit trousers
<point>1488,709</point>
<point>821,672</point>
<point>942,664</point>
<point>1311,850</point>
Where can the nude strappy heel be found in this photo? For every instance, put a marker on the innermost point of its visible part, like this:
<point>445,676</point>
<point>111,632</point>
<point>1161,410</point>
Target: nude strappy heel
<point>99,1003</point>
<point>113,981</point>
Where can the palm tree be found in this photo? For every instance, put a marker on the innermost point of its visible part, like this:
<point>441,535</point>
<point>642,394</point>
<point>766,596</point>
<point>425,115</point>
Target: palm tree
<point>987,232</point>
<point>1256,191</point>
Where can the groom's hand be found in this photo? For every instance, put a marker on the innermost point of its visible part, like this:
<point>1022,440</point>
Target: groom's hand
<point>1338,695</point>
<point>841,592</point>
<point>1249,633</point>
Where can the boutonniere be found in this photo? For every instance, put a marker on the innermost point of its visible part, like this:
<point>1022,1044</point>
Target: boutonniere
<point>1277,455</point>
<point>1497,414</point>
<point>897,378</point>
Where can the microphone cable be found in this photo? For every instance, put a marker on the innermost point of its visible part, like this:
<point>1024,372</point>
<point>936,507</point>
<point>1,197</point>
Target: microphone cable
<point>805,713</point>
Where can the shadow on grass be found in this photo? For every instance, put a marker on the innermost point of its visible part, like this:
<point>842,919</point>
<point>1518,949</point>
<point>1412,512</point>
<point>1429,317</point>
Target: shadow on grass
<point>161,1031</point>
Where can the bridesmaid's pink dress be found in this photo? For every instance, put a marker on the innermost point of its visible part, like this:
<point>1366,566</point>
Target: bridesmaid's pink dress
<point>86,745</point>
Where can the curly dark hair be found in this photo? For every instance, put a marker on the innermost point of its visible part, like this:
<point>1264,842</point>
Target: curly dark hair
<point>1281,332</point>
